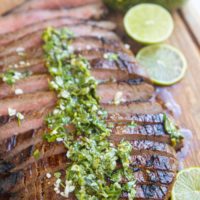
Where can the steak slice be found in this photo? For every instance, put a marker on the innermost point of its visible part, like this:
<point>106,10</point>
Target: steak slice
<point>145,174</point>
<point>146,136</point>
<point>27,102</point>
<point>16,143</point>
<point>134,108</point>
<point>41,100</point>
<point>108,92</point>
<point>94,55</point>
<point>25,157</point>
<point>52,4</point>
<point>55,22</point>
<point>34,40</point>
<point>16,21</point>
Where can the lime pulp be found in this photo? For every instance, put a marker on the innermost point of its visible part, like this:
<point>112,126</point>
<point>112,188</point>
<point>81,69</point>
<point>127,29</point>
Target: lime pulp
<point>164,64</point>
<point>148,23</point>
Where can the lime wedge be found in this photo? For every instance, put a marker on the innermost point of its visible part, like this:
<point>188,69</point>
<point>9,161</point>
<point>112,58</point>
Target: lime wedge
<point>148,23</point>
<point>187,185</point>
<point>164,64</point>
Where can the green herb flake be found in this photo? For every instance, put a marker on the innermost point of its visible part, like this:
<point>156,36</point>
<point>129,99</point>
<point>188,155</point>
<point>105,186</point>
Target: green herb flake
<point>57,174</point>
<point>79,123</point>
<point>11,76</point>
<point>111,56</point>
<point>172,130</point>
<point>36,154</point>
<point>132,125</point>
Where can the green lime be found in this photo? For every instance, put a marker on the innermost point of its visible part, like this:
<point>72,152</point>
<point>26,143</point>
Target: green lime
<point>148,23</point>
<point>164,64</point>
<point>187,185</point>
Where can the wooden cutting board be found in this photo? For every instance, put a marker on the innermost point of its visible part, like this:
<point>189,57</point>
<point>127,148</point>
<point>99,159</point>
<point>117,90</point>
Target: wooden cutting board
<point>7,5</point>
<point>186,37</point>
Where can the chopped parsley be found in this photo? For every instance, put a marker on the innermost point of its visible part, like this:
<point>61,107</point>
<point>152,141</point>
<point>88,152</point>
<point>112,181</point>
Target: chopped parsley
<point>94,171</point>
<point>132,125</point>
<point>111,56</point>
<point>172,129</point>
<point>11,76</point>
<point>36,154</point>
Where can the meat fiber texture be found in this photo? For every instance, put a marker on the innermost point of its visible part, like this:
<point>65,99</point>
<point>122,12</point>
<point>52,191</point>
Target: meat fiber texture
<point>153,157</point>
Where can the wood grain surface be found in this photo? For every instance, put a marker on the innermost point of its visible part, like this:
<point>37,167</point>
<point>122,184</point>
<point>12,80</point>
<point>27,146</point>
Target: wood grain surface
<point>7,5</point>
<point>186,37</point>
<point>187,92</point>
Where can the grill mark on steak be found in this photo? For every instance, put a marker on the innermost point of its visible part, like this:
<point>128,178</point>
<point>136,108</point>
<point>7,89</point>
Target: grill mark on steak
<point>101,68</point>
<point>24,157</point>
<point>34,40</point>
<point>145,191</point>
<point>16,21</point>
<point>41,100</point>
<point>154,162</point>
<point>14,144</point>
<point>16,180</point>
<point>56,22</point>
<point>49,193</point>
<point>56,162</point>
<point>32,121</point>
<point>150,130</point>
<point>137,118</point>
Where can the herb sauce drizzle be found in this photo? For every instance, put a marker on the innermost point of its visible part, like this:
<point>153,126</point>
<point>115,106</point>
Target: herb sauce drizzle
<point>94,171</point>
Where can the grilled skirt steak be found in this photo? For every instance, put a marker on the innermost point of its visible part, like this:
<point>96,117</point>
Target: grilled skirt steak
<point>16,21</point>
<point>124,91</point>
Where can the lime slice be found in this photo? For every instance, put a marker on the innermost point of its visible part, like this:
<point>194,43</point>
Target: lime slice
<point>187,185</point>
<point>164,64</point>
<point>148,23</point>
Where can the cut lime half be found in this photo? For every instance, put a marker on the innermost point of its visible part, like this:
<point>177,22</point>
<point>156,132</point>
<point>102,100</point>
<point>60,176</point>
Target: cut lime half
<point>187,185</point>
<point>164,64</point>
<point>148,23</point>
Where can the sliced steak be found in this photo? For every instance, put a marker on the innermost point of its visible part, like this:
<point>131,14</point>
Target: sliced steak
<point>145,173</point>
<point>57,22</point>
<point>16,21</point>
<point>39,100</point>
<point>35,39</point>
<point>147,138</point>
<point>134,108</point>
<point>53,4</point>
<point>28,85</point>
<point>27,102</point>
<point>108,92</point>
<point>123,92</point>
<point>155,132</point>
<point>32,121</point>
<point>16,143</point>
<point>80,45</point>
<point>137,118</point>
<point>25,157</point>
